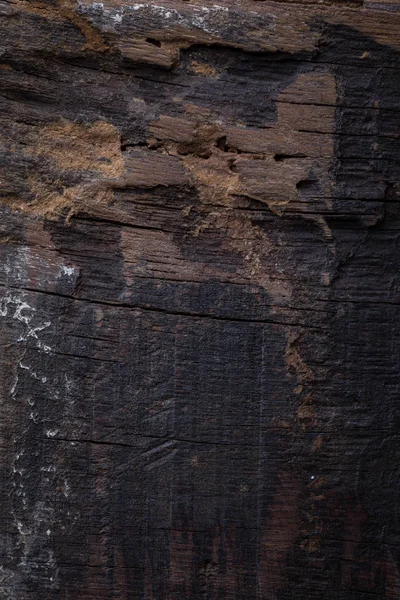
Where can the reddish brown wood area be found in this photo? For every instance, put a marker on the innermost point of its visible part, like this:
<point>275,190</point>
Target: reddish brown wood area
<point>200,298</point>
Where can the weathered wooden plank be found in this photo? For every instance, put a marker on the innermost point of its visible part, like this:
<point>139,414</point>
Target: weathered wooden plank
<point>199,300</point>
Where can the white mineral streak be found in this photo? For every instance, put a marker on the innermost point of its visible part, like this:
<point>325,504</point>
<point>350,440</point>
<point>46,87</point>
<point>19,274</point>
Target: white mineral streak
<point>33,518</point>
<point>201,17</point>
<point>68,270</point>
<point>15,306</point>
<point>51,432</point>
<point>29,520</point>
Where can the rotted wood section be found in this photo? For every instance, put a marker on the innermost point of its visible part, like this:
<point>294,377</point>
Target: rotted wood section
<point>200,292</point>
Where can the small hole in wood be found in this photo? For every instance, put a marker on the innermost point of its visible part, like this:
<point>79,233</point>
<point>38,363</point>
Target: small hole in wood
<point>305,184</point>
<point>281,157</point>
<point>153,42</point>
<point>232,165</point>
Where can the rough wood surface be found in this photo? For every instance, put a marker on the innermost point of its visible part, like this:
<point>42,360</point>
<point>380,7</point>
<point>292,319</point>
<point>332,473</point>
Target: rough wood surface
<point>200,299</point>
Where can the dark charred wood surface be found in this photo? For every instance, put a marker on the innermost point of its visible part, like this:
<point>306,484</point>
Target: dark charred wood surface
<point>200,297</point>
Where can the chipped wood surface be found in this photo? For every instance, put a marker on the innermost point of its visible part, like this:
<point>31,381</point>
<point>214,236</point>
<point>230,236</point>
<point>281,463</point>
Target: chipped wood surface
<point>200,300</point>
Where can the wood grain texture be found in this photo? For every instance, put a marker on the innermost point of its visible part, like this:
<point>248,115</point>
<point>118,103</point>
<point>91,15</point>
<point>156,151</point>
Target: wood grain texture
<point>199,305</point>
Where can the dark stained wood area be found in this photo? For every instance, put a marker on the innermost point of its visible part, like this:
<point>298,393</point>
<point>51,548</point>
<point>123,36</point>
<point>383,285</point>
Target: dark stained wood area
<point>200,300</point>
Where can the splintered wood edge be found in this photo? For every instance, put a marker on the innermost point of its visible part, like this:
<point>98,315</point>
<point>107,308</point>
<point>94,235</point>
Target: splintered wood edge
<point>250,25</point>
